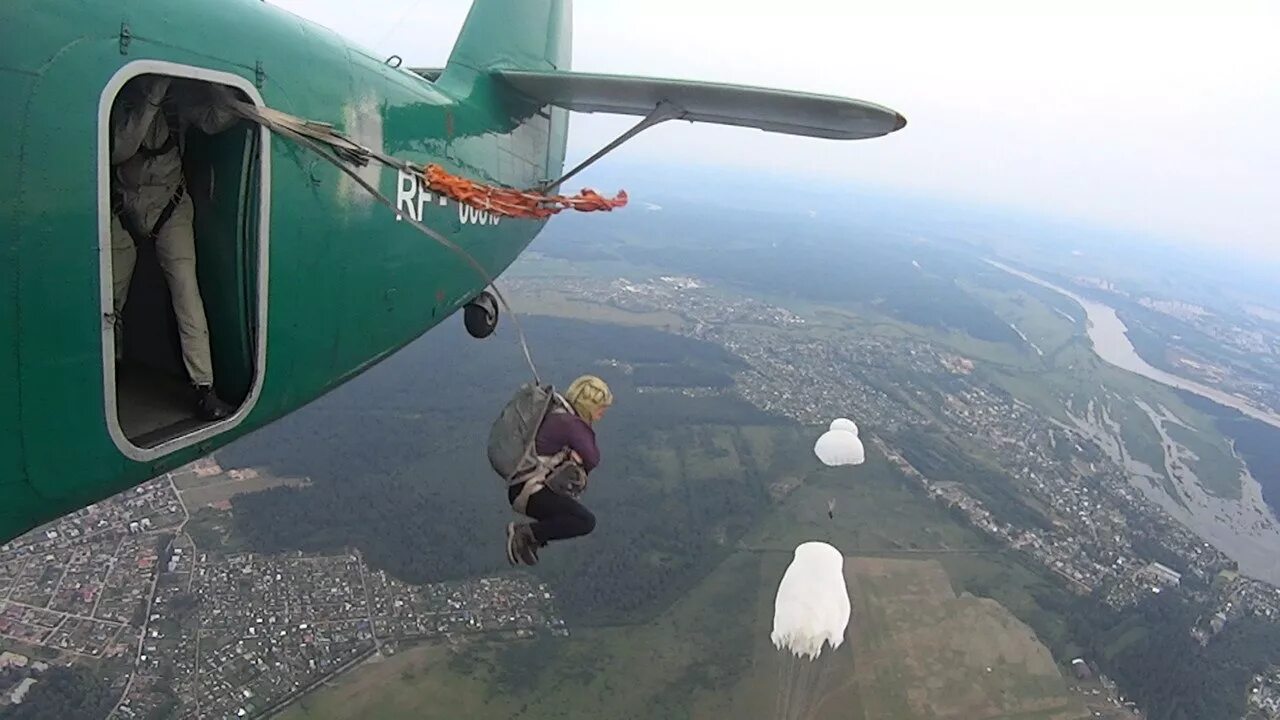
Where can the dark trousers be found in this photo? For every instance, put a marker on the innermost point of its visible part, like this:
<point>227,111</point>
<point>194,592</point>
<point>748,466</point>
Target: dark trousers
<point>559,517</point>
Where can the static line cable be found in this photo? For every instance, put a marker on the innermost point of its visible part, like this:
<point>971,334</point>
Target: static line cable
<point>351,152</point>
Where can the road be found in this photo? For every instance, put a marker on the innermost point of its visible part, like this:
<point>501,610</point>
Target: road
<point>151,595</point>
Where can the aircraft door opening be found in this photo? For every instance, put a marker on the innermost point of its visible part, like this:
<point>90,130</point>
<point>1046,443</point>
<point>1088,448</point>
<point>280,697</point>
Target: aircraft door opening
<point>182,337</point>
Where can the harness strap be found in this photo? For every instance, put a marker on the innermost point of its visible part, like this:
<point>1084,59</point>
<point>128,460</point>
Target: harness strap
<point>536,479</point>
<point>170,143</point>
<point>546,464</point>
<point>565,407</point>
<point>521,503</point>
<point>131,225</point>
<point>168,210</point>
<point>117,195</point>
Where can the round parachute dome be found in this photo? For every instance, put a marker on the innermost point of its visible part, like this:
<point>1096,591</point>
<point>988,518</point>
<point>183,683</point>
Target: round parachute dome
<point>844,424</point>
<point>812,608</point>
<point>840,447</point>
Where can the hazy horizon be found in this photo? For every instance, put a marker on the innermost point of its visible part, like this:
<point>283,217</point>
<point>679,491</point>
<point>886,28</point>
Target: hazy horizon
<point>1140,116</point>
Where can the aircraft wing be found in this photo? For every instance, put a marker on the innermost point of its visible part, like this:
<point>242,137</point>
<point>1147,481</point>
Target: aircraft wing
<point>782,111</point>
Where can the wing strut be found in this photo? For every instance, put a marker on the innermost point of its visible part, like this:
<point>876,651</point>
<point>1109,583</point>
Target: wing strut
<point>662,112</point>
<point>658,100</point>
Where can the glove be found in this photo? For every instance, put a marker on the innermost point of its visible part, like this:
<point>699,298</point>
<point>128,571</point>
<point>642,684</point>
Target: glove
<point>157,89</point>
<point>568,479</point>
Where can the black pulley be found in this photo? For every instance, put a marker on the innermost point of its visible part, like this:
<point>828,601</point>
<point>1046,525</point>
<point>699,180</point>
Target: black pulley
<point>480,315</point>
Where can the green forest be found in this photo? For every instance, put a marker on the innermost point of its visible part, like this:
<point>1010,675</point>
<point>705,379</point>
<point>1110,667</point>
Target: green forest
<point>760,251</point>
<point>1147,649</point>
<point>399,472</point>
<point>935,454</point>
<point>65,693</point>
<point>397,460</point>
<point>1257,442</point>
<point>1150,653</point>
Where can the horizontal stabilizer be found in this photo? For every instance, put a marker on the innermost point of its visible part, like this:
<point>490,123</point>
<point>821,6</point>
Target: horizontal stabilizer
<point>432,74</point>
<point>783,111</point>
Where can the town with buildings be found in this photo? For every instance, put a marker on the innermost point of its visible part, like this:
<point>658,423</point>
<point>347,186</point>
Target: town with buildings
<point>1264,694</point>
<point>188,633</point>
<point>1248,335</point>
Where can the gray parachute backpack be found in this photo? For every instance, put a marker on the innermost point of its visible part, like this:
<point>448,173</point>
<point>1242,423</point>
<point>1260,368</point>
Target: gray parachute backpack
<point>511,439</point>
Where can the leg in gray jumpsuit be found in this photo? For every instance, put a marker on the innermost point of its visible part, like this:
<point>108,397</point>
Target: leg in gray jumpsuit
<point>148,175</point>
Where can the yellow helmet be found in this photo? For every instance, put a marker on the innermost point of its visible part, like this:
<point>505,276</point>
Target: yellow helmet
<point>588,394</point>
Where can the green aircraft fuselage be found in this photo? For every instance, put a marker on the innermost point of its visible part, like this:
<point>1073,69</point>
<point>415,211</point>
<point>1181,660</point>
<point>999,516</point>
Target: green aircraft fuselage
<point>307,280</point>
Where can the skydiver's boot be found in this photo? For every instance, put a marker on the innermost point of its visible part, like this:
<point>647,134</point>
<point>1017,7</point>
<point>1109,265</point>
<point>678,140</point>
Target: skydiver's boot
<point>522,546</point>
<point>209,405</point>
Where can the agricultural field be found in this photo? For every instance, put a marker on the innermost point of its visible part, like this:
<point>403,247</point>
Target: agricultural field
<point>921,651</point>
<point>708,654</point>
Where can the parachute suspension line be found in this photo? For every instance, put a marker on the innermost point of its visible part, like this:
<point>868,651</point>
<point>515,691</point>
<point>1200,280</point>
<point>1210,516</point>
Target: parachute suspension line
<point>793,689</point>
<point>777,695</point>
<point>250,112</point>
<point>808,668</point>
<point>794,696</point>
<point>785,669</point>
<point>798,693</point>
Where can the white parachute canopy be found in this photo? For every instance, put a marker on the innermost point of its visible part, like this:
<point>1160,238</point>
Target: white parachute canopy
<point>840,447</point>
<point>812,607</point>
<point>844,424</point>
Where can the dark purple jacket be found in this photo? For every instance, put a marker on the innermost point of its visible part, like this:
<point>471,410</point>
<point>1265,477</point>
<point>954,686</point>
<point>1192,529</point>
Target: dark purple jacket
<point>566,430</point>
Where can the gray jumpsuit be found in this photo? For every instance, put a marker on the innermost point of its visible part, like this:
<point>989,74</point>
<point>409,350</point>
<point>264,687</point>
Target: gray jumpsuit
<point>146,174</point>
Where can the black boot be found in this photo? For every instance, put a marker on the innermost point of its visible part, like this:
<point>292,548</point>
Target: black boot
<point>522,546</point>
<point>208,405</point>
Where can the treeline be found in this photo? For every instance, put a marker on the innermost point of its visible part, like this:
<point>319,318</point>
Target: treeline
<point>655,535</point>
<point>938,457</point>
<point>441,389</point>
<point>65,693</point>
<point>397,460</point>
<point>1150,652</point>
<point>681,376</point>
<point>1148,649</point>
<point>769,253</point>
<point>1150,548</point>
<point>1257,442</point>
<point>1150,330</point>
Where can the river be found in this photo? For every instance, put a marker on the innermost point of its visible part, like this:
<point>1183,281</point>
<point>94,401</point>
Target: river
<point>1246,529</point>
<point>1110,339</point>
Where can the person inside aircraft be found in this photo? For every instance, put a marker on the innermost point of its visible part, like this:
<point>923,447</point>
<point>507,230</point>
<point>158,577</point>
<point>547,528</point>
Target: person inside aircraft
<point>150,204</point>
<point>566,432</point>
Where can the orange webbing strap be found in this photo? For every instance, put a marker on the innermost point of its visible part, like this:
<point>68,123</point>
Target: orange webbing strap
<point>515,203</point>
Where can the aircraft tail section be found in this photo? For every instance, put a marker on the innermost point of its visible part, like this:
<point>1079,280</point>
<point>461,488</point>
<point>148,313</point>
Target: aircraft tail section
<point>510,35</point>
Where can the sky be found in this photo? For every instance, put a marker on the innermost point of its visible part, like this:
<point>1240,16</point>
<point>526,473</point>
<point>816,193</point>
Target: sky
<point>1160,117</point>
